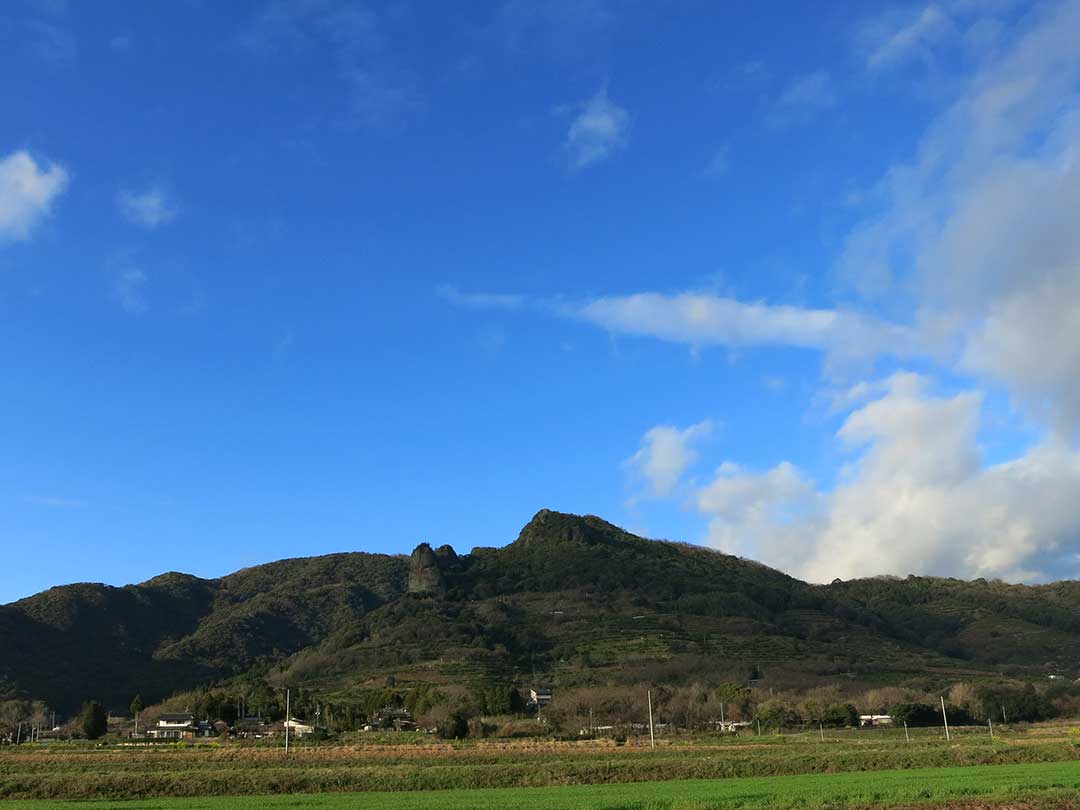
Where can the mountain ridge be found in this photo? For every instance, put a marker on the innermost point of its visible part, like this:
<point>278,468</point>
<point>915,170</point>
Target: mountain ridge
<point>573,600</point>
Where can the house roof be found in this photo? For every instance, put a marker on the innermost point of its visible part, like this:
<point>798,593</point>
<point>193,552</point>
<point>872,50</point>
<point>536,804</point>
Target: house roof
<point>175,718</point>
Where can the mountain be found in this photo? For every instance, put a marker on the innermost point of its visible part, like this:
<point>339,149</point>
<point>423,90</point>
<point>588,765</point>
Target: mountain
<point>573,601</point>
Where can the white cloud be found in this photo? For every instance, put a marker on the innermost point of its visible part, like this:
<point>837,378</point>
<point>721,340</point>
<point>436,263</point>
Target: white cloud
<point>918,499</point>
<point>128,289</point>
<point>802,99</point>
<point>699,319</point>
<point>479,300</point>
<point>600,128</point>
<point>665,454</point>
<point>892,44</point>
<point>978,231</point>
<point>148,208</point>
<point>27,194</point>
<point>758,514</point>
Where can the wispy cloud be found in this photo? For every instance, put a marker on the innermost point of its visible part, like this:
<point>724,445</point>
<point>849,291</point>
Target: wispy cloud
<point>718,164</point>
<point>149,208</point>
<point>558,26</point>
<point>284,340</point>
<point>892,42</point>
<point>479,300</point>
<point>55,502</point>
<point>377,91</point>
<point>27,194</point>
<point>599,129</point>
<point>127,288</point>
<point>802,99</point>
<point>699,320</point>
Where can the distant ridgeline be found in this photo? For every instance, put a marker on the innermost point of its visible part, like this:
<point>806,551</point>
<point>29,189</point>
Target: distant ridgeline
<point>573,601</point>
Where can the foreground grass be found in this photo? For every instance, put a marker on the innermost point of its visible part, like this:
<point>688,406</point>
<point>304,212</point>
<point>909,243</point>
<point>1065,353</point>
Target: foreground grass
<point>1044,783</point>
<point>56,773</point>
<point>116,772</point>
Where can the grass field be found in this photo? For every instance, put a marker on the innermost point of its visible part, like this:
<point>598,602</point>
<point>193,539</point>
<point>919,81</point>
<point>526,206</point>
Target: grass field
<point>1045,783</point>
<point>802,770</point>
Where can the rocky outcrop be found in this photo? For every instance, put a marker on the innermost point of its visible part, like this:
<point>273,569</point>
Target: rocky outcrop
<point>425,575</point>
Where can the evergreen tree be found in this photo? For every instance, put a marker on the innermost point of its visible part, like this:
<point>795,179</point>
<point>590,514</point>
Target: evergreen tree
<point>92,720</point>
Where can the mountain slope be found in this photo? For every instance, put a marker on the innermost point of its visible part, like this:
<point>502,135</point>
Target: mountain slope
<point>573,600</point>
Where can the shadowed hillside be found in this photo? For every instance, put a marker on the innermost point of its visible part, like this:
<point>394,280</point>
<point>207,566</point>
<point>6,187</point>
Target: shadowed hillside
<point>574,600</point>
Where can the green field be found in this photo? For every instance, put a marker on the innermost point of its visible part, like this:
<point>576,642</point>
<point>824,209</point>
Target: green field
<point>847,769</point>
<point>994,783</point>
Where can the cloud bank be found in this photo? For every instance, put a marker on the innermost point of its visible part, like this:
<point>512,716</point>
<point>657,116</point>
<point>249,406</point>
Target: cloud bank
<point>917,498</point>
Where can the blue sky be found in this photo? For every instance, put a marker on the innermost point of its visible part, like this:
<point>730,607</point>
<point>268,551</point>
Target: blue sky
<point>281,279</point>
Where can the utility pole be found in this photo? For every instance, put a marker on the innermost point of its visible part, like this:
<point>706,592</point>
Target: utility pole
<point>990,723</point>
<point>652,736</point>
<point>287,721</point>
<point>945,717</point>
<point>722,715</point>
<point>1004,717</point>
<point>821,730</point>
<point>906,735</point>
<point>18,734</point>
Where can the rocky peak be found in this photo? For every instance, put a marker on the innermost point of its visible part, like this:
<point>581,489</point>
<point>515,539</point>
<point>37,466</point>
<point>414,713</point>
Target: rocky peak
<point>549,526</point>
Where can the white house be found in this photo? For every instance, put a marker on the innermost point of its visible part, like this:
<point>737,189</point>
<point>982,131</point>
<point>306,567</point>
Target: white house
<point>174,727</point>
<point>297,729</point>
<point>875,720</point>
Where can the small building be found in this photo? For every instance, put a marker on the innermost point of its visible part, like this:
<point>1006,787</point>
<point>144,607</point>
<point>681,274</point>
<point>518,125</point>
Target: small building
<point>296,728</point>
<point>730,726</point>
<point>395,717</point>
<point>174,727</point>
<point>539,697</point>
<point>204,729</point>
<point>251,727</point>
<point>875,720</point>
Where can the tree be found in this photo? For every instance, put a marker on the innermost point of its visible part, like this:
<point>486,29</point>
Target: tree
<point>915,714</point>
<point>840,715</point>
<point>136,707</point>
<point>92,720</point>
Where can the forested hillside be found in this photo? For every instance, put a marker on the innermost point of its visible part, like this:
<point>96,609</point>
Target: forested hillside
<point>573,601</point>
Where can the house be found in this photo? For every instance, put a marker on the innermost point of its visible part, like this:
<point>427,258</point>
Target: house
<point>539,697</point>
<point>730,726</point>
<point>205,729</point>
<point>174,727</point>
<point>396,717</point>
<point>296,728</point>
<point>253,727</point>
<point>875,720</point>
